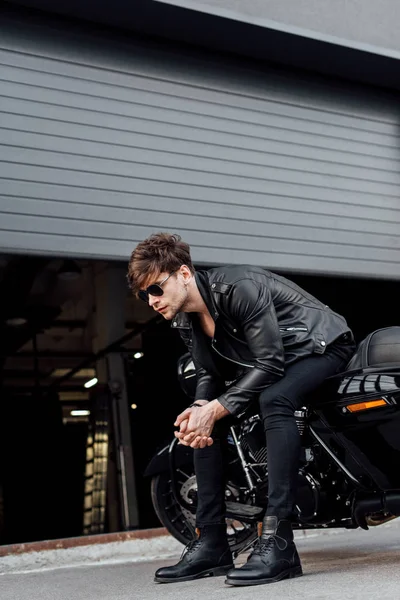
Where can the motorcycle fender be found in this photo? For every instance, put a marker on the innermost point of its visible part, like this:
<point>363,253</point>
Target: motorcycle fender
<point>160,462</point>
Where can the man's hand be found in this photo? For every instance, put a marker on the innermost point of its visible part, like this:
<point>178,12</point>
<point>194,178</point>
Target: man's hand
<point>182,421</point>
<point>196,432</point>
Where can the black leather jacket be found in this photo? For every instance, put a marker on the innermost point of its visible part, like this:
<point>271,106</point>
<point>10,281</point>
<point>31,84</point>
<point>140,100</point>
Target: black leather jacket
<point>262,323</point>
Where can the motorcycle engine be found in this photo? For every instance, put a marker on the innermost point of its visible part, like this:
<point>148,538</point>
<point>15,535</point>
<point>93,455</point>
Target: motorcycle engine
<point>252,438</point>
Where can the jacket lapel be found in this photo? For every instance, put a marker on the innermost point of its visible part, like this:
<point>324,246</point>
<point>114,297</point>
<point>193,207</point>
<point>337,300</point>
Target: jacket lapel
<point>201,350</point>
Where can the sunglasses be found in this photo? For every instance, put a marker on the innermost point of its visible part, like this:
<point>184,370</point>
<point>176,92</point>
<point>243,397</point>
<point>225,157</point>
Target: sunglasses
<point>153,290</point>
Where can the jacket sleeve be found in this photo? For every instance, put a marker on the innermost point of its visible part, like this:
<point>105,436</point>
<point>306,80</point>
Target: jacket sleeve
<point>207,386</point>
<point>250,306</point>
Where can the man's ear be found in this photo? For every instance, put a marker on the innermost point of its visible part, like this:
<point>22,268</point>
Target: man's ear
<point>186,273</point>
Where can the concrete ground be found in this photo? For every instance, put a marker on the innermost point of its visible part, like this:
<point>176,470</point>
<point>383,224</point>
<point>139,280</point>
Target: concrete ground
<point>343,565</point>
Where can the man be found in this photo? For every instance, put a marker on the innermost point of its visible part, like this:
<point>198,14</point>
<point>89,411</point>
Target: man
<point>254,337</point>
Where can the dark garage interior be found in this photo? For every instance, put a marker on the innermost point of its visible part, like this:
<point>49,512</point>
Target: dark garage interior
<point>58,473</point>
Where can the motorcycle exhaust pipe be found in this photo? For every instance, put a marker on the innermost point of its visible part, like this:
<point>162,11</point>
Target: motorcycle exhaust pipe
<point>375,520</point>
<point>387,503</point>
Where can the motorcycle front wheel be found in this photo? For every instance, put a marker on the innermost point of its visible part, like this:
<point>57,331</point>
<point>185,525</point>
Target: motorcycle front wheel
<point>181,523</point>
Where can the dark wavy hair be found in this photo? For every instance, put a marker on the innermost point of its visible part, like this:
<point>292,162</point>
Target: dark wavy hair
<point>159,253</point>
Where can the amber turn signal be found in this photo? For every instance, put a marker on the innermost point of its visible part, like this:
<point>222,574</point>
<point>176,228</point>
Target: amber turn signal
<point>366,405</point>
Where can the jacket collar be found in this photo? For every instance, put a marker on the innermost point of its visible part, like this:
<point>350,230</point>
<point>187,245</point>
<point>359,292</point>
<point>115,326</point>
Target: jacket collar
<point>203,285</point>
<point>183,320</point>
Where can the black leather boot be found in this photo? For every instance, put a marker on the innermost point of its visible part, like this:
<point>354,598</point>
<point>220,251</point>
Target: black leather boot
<point>274,557</point>
<point>208,555</point>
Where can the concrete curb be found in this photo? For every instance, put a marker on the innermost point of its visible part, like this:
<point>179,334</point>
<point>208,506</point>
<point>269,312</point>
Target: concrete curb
<point>86,540</point>
<point>127,551</point>
<point>126,547</point>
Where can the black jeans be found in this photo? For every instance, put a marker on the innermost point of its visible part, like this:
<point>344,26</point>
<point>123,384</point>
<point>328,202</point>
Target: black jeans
<point>277,405</point>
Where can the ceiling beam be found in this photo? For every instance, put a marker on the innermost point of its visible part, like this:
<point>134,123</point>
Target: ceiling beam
<point>67,324</point>
<point>22,389</point>
<point>81,324</point>
<point>51,354</point>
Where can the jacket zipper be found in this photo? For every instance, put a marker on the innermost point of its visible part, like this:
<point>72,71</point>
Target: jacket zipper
<point>231,359</point>
<point>293,329</point>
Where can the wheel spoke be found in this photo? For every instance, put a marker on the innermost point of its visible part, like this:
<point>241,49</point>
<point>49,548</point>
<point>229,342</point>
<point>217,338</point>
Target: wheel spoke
<point>183,473</point>
<point>181,522</point>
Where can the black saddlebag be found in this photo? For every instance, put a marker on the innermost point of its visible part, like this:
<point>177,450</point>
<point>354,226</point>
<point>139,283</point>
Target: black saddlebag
<point>381,348</point>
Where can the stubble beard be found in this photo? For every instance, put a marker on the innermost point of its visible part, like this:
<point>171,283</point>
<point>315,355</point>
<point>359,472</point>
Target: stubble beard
<point>177,307</point>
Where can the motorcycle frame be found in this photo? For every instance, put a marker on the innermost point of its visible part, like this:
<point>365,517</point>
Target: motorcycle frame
<point>247,468</point>
<point>320,430</point>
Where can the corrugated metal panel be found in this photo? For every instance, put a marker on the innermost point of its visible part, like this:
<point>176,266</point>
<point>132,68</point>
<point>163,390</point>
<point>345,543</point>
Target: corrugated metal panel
<point>103,143</point>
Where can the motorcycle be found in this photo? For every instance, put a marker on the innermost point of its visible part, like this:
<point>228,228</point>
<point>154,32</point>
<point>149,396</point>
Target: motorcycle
<point>349,474</point>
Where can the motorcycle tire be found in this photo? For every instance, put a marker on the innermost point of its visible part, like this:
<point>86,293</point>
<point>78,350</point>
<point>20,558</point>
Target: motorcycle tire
<point>181,524</point>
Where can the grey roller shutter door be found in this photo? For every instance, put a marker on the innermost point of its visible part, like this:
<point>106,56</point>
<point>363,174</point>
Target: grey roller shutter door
<point>102,143</point>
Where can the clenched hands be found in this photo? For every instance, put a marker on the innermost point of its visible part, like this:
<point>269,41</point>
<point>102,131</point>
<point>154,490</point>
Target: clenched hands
<point>196,423</point>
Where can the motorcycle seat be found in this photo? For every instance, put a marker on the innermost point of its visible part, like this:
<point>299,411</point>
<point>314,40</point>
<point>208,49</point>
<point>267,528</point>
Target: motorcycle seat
<point>381,348</point>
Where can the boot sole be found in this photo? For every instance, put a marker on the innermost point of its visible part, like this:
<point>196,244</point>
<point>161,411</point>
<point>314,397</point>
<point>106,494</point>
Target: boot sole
<point>215,572</point>
<point>290,574</point>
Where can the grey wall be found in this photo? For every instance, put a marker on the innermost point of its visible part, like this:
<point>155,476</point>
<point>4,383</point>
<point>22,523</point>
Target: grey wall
<point>362,21</point>
<point>103,142</point>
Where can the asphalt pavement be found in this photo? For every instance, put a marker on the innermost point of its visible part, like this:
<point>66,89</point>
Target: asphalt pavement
<point>345,565</point>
